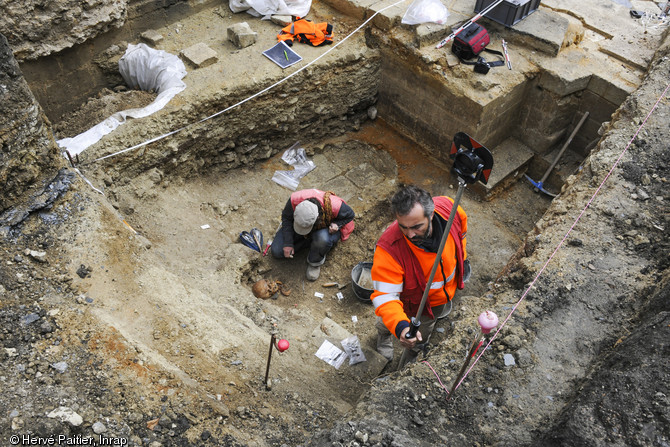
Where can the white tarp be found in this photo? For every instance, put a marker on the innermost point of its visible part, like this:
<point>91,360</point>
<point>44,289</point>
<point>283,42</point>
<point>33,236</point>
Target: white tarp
<point>267,8</point>
<point>144,68</point>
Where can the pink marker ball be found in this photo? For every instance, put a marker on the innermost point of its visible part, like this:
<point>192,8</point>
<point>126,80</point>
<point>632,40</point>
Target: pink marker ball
<point>487,320</point>
<point>282,345</point>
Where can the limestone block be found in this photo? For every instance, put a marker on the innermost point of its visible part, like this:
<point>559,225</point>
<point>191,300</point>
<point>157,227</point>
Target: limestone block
<point>566,82</point>
<point>646,6</point>
<point>429,34</point>
<point>353,8</point>
<point>543,31</point>
<point>364,175</point>
<point>242,35</point>
<point>388,18</point>
<point>614,93</point>
<point>631,51</point>
<point>152,36</point>
<point>200,55</point>
<point>282,20</point>
<point>452,59</point>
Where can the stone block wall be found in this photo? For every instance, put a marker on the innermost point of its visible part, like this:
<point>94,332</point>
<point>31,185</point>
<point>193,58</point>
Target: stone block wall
<point>28,152</point>
<point>540,111</point>
<point>424,109</point>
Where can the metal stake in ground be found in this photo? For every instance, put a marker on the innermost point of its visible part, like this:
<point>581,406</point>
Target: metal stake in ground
<point>472,163</point>
<point>539,185</point>
<point>487,320</point>
<point>281,345</point>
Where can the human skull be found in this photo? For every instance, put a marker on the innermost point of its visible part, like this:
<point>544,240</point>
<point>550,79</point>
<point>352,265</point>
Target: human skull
<point>265,289</point>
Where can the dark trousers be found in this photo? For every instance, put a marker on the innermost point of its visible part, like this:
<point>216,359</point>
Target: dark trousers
<point>319,242</point>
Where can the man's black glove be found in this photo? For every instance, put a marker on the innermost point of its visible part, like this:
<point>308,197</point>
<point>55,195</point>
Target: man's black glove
<point>467,271</point>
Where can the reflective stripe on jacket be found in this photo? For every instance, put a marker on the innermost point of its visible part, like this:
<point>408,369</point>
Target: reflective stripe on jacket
<point>335,203</point>
<point>305,31</point>
<point>400,270</point>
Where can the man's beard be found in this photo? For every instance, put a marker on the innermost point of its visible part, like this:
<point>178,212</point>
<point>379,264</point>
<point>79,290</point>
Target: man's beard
<point>418,240</point>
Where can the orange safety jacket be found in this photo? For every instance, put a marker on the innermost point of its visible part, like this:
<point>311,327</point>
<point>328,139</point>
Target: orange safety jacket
<point>400,271</point>
<point>335,203</point>
<point>305,31</point>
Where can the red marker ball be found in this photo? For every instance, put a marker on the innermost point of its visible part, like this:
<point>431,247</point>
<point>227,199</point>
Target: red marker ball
<point>282,345</point>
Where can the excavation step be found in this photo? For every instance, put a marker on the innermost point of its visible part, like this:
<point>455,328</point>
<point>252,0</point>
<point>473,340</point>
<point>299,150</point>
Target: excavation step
<point>334,333</point>
<point>511,160</point>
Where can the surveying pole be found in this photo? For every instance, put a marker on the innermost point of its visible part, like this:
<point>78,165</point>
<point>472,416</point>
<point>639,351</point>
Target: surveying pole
<point>472,163</point>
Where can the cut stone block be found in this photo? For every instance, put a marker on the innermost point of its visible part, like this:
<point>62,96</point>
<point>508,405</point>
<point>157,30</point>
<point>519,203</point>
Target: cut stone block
<point>353,8</point>
<point>242,35</point>
<point>428,34</point>
<point>629,50</point>
<point>200,55</point>
<point>387,18</point>
<point>542,30</point>
<point>282,20</point>
<point>511,162</point>
<point>152,36</point>
<point>572,79</point>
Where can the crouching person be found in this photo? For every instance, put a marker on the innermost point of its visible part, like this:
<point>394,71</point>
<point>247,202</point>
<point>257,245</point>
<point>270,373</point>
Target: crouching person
<point>316,220</point>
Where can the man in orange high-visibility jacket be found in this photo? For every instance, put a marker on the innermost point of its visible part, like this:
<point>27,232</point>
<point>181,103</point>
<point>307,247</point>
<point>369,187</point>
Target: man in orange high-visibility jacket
<point>404,257</point>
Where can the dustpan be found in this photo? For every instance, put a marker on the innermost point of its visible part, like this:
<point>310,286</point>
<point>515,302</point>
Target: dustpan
<point>247,239</point>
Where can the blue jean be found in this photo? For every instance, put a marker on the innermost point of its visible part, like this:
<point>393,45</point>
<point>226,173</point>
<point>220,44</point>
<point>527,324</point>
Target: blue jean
<point>319,242</point>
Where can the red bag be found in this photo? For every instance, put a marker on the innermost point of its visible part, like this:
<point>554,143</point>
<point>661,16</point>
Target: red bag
<point>470,42</point>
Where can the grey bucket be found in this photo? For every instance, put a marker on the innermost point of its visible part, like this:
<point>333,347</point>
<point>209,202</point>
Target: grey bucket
<point>362,293</point>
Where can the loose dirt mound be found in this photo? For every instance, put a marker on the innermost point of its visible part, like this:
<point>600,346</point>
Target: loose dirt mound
<point>98,109</point>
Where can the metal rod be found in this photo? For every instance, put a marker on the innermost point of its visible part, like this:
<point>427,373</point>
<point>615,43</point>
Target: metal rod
<point>487,321</point>
<point>267,368</point>
<point>70,158</point>
<point>565,146</point>
<point>476,343</point>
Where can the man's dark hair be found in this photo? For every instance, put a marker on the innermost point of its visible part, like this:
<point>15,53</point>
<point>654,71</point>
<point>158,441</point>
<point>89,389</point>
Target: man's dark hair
<point>404,200</point>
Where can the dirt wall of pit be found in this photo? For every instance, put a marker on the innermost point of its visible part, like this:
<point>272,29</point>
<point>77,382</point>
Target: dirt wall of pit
<point>29,152</point>
<point>306,108</point>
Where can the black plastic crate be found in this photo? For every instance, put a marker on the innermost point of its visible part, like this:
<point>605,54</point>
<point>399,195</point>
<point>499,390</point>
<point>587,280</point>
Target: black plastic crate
<point>509,12</point>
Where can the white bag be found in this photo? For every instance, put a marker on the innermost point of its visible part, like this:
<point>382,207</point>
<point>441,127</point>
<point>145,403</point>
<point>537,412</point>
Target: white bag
<point>144,68</point>
<point>267,8</point>
<point>426,11</point>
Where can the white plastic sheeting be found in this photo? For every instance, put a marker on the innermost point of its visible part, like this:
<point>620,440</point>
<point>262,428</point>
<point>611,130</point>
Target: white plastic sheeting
<point>425,11</point>
<point>141,67</point>
<point>267,8</point>
<point>296,157</point>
